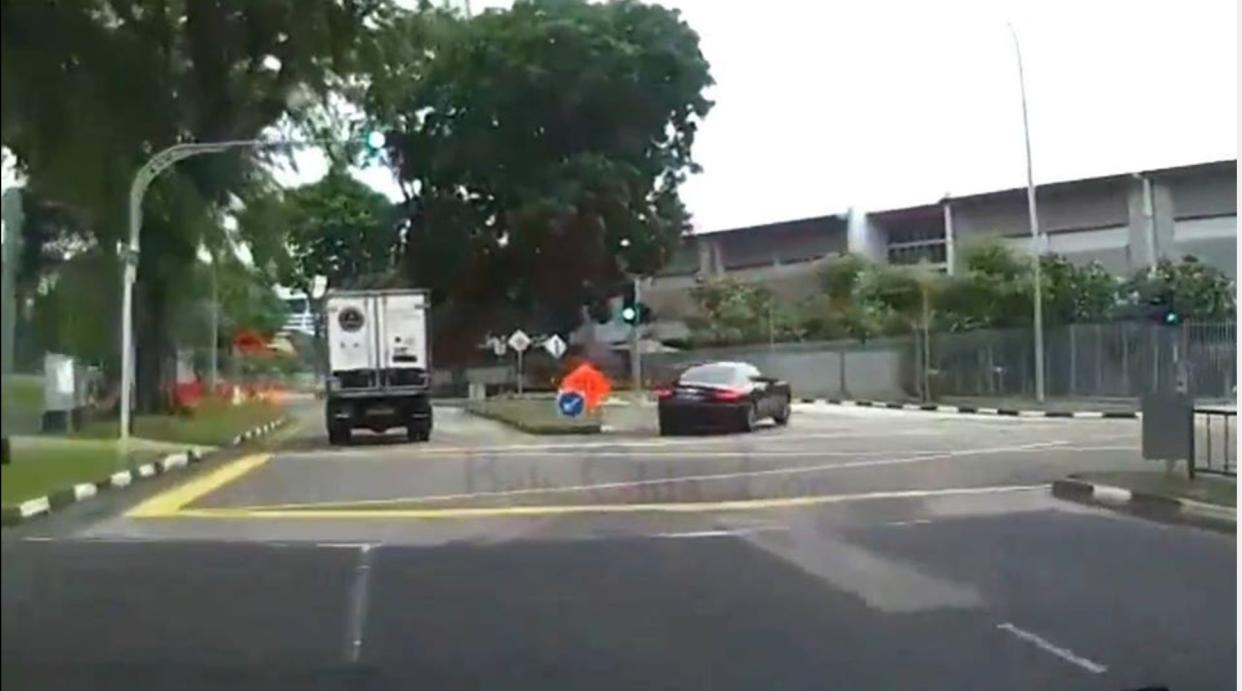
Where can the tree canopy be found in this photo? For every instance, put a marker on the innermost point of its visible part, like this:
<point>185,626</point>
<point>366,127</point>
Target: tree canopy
<point>337,228</point>
<point>91,89</point>
<point>529,143</point>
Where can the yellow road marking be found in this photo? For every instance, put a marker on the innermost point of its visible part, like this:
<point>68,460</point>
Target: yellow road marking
<point>554,510</point>
<point>170,503</point>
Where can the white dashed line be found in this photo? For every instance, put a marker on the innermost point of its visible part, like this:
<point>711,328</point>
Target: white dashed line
<point>358,604</point>
<point>1046,646</point>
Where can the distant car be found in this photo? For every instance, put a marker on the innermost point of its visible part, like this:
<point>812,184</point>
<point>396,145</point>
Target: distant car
<point>722,395</point>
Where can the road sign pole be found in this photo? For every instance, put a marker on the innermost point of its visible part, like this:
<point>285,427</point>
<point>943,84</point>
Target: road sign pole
<point>519,372</point>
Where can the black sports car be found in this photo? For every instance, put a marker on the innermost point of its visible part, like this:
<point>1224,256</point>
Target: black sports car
<point>722,395</point>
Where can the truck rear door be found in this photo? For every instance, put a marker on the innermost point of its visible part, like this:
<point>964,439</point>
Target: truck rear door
<point>352,324</point>
<point>403,331</point>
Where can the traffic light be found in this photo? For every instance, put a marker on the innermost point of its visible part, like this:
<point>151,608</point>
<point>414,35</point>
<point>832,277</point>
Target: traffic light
<point>1161,310</point>
<point>633,311</point>
<point>375,140</point>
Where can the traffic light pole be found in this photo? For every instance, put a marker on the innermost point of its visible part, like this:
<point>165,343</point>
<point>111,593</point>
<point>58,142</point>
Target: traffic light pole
<point>636,360</point>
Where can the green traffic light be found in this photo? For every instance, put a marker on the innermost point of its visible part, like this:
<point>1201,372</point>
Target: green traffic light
<point>629,314</point>
<point>376,139</point>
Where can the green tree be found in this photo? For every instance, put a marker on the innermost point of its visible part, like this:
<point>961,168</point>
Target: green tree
<point>91,89</point>
<point>1197,291</point>
<point>732,312</point>
<point>1077,294</point>
<point>337,228</point>
<point>993,291</point>
<point>531,142</point>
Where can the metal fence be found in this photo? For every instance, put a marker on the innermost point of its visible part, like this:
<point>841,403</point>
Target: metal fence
<point>1216,434</point>
<point>1116,360</point>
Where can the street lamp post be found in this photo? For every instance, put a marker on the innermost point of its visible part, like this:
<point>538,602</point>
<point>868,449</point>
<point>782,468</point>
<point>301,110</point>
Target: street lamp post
<point>1036,238</point>
<point>137,192</point>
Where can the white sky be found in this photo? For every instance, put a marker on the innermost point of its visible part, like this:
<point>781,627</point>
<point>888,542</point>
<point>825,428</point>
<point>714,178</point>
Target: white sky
<point>822,105</point>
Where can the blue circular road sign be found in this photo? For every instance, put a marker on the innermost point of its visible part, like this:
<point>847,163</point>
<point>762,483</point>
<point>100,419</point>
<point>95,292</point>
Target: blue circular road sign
<point>570,403</point>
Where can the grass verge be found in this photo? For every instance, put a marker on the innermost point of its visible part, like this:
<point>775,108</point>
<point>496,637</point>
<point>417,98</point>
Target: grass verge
<point>23,403</point>
<point>211,424</point>
<point>533,415</point>
<point>42,465</point>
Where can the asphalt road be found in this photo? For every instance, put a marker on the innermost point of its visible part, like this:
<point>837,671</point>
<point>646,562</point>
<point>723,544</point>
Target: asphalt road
<point>853,550</point>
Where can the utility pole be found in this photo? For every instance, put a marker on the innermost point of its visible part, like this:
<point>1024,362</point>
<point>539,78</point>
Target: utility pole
<point>11,241</point>
<point>636,359</point>
<point>214,376</point>
<point>1036,238</point>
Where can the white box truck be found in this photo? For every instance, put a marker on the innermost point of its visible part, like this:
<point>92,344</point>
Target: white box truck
<point>379,363</point>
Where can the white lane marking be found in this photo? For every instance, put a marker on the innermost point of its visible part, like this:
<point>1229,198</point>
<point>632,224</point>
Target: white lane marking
<point>33,538</point>
<point>656,481</point>
<point>1047,646</point>
<point>917,521</point>
<point>357,612</point>
<point>736,532</point>
<point>364,546</point>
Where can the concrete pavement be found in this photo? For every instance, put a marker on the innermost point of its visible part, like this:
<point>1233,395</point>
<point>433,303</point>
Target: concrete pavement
<point>931,556</point>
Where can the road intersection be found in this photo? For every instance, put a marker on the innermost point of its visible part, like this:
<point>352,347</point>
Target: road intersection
<point>855,549</point>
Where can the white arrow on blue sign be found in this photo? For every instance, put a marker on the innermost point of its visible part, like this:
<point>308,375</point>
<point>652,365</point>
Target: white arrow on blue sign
<point>570,403</point>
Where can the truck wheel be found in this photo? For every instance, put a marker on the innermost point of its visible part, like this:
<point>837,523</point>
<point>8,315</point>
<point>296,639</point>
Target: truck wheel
<point>339,435</point>
<point>418,432</point>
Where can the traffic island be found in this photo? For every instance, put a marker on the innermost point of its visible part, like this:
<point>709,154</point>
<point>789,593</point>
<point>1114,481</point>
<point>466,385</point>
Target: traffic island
<point>1206,501</point>
<point>533,415</point>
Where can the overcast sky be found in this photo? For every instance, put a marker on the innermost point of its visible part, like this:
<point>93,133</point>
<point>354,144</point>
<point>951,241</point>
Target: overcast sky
<point>825,105</point>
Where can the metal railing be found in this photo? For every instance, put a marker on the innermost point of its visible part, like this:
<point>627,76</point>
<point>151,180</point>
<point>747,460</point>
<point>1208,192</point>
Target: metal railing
<point>1213,449</point>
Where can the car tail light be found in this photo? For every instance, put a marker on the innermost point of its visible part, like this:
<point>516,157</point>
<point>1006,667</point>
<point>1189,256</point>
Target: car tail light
<point>663,392</point>
<point>728,395</point>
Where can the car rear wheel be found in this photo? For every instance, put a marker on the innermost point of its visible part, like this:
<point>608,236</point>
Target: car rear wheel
<point>667,428</point>
<point>782,416</point>
<point>750,417</point>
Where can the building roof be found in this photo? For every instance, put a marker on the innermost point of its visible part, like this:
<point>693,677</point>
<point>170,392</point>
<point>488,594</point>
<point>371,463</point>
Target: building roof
<point>926,210</point>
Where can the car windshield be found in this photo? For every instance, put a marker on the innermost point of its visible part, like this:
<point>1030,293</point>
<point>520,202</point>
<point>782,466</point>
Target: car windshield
<point>713,375</point>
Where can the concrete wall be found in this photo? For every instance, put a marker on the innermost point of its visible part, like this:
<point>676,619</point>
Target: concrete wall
<point>1212,193</point>
<point>669,296</point>
<point>1214,240</point>
<point>1062,208</point>
<point>814,370</point>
